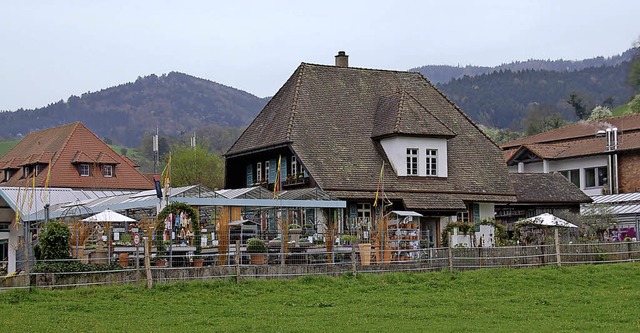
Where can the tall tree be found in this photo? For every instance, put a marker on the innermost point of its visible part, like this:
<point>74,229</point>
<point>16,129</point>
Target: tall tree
<point>578,105</point>
<point>190,166</point>
<point>542,118</point>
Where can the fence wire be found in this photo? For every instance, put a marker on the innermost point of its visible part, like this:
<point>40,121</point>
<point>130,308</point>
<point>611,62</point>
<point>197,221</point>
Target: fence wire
<point>313,261</point>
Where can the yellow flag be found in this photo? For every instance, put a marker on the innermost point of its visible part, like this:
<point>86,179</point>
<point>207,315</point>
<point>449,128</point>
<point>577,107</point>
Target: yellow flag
<point>375,203</point>
<point>46,182</point>
<point>166,178</point>
<point>276,184</point>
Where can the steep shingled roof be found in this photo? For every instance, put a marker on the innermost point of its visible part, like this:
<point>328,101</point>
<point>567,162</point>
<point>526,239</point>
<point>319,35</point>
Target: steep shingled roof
<point>546,187</point>
<point>328,116</point>
<point>61,148</point>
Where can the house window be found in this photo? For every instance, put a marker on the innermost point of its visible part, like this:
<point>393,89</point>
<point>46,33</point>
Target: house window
<point>84,170</point>
<point>595,177</point>
<point>266,171</point>
<point>572,175</point>
<point>462,216</point>
<point>107,170</point>
<point>259,172</point>
<point>364,212</point>
<point>27,170</point>
<point>432,159</point>
<point>7,175</point>
<point>294,166</point>
<point>39,168</point>
<point>412,161</point>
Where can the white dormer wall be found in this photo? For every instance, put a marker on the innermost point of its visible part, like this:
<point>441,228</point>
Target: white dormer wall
<point>396,150</point>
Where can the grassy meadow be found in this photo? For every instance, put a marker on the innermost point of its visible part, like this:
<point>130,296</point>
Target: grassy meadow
<point>586,298</point>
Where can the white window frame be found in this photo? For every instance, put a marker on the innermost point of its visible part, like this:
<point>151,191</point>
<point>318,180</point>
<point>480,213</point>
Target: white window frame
<point>294,166</point>
<point>259,172</point>
<point>572,175</point>
<point>364,212</point>
<point>431,162</point>
<point>107,170</point>
<point>596,177</point>
<point>462,216</point>
<point>27,170</point>
<point>412,161</point>
<point>266,171</point>
<point>7,174</point>
<point>84,169</point>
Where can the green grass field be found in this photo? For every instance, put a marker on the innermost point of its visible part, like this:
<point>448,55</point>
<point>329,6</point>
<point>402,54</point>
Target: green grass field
<point>587,298</point>
<point>6,145</point>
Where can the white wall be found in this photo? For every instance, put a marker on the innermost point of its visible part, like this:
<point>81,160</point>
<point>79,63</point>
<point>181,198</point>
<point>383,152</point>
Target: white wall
<point>396,150</point>
<point>580,163</point>
<point>487,210</point>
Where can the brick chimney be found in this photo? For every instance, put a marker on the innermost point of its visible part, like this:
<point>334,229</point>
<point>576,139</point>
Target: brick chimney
<point>342,59</point>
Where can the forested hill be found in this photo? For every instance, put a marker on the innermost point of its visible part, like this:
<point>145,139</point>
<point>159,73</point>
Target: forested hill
<point>501,99</point>
<point>175,103</point>
<point>445,73</point>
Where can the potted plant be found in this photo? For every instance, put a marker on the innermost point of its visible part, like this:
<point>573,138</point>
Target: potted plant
<point>257,248</point>
<point>295,228</point>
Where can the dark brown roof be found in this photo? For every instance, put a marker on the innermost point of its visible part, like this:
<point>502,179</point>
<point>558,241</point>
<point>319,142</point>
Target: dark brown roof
<point>546,188</point>
<point>62,148</point>
<point>581,129</point>
<point>328,116</point>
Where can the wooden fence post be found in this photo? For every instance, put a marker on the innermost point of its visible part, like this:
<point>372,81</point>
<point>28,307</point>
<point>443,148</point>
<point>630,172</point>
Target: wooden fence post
<point>147,262</point>
<point>450,253</point>
<point>238,259</point>
<point>353,260</point>
<point>557,241</point>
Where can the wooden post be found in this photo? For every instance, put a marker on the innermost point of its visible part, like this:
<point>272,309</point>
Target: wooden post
<point>147,262</point>
<point>353,260</point>
<point>137,266</point>
<point>238,259</point>
<point>557,241</point>
<point>450,253</point>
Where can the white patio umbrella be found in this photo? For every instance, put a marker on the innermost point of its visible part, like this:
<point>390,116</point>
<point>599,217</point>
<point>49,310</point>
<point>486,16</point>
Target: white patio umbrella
<point>108,216</point>
<point>550,220</point>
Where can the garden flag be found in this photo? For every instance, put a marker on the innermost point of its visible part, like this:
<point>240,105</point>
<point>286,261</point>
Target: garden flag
<point>276,184</point>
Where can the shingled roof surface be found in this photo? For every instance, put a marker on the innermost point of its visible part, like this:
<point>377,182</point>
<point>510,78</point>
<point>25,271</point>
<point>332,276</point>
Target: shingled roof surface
<point>546,187</point>
<point>581,129</point>
<point>64,147</point>
<point>328,115</point>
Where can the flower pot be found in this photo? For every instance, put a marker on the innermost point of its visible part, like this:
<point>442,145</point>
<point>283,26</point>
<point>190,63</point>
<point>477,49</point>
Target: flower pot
<point>365,254</point>
<point>98,256</point>
<point>123,259</point>
<point>160,263</point>
<point>258,259</point>
<point>198,262</point>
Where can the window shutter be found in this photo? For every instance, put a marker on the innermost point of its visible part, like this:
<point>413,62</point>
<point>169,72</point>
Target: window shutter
<point>249,175</point>
<point>273,168</point>
<point>283,169</point>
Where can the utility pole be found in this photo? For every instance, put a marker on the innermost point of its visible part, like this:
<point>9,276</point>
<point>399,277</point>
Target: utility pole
<point>155,152</point>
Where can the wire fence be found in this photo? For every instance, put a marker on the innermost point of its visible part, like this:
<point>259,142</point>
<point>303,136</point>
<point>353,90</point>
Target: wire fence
<point>130,269</point>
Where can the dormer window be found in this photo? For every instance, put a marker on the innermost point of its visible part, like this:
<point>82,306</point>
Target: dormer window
<point>432,162</point>
<point>107,170</point>
<point>7,175</point>
<point>26,170</point>
<point>39,168</point>
<point>412,161</point>
<point>84,169</point>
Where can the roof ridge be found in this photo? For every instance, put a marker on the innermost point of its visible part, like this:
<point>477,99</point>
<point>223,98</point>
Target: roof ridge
<point>294,103</point>
<point>396,126</point>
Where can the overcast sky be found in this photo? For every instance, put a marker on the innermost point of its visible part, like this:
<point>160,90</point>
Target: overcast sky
<point>50,50</point>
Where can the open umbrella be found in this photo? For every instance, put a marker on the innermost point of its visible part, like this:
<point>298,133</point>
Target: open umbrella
<point>108,216</point>
<point>550,220</point>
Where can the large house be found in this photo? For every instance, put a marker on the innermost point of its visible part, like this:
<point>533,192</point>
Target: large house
<point>69,156</point>
<point>355,132</point>
<point>600,156</point>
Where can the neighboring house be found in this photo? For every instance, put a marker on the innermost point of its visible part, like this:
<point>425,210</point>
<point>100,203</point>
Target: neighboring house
<point>540,193</point>
<point>70,156</point>
<point>334,127</point>
<point>600,156</point>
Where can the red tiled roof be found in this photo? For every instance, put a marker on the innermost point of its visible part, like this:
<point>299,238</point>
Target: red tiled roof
<point>64,146</point>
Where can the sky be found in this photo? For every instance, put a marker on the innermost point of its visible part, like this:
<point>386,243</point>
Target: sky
<point>50,50</point>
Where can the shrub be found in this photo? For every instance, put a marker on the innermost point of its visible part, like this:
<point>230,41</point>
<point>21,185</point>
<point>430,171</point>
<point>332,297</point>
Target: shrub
<point>256,245</point>
<point>54,242</point>
<point>71,266</point>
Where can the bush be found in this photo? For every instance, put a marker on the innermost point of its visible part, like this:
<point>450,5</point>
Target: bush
<point>54,242</point>
<point>634,105</point>
<point>256,245</point>
<point>71,266</point>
